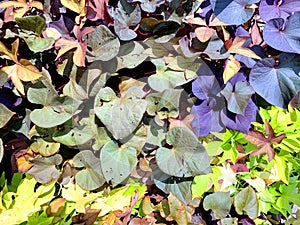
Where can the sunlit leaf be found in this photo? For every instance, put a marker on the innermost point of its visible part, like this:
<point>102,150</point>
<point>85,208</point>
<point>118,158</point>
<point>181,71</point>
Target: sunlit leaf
<point>219,203</point>
<point>74,5</point>
<point>247,201</point>
<point>5,115</point>
<point>33,23</point>
<point>232,66</point>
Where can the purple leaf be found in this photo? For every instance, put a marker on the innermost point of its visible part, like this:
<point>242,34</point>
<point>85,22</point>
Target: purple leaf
<point>240,122</point>
<point>207,117</point>
<point>277,86</point>
<point>283,35</point>
<point>278,8</point>
<point>205,86</point>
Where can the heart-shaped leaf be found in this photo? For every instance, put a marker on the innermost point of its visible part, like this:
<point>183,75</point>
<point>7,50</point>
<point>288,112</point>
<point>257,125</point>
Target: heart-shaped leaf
<point>5,115</point>
<point>283,83</point>
<point>44,169</point>
<point>237,96</point>
<point>91,177</point>
<point>187,157</point>
<point>44,147</point>
<point>219,203</point>
<point>283,35</point>
<point>246,200</point>
<point>117,162</point>
<point>105,45</point>
<point>33,23</point>
<point>121,116</point>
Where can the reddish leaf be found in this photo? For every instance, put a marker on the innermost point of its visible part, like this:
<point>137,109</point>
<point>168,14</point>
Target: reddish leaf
<point>87,218</point>
<point>265,143</point>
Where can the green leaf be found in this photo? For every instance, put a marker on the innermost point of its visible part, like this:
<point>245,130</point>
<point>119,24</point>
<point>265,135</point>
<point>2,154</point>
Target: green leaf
<point>44,169</point>
<point>105,45</point>
<point>121,116</point>
<point>44,147</point>
<point>37,44</point>
<point>117,162</point>
<point>200,185</point>
<point>165,104</point>
<point>5,115</point>
<point>39,219</point>
<point>238,96</point>
<point>187,157</point>
<point>282,168</point>
<point>33,23</point>
<point>91,177</point>
<point>219,203</point>
<point>165,79</point>
<point>246,200</point>
<point>1,150</point>
<point>229,221</point>
<point>73,136</point>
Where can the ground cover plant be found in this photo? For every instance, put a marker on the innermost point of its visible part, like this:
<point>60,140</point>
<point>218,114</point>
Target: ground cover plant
<point>149,112</point>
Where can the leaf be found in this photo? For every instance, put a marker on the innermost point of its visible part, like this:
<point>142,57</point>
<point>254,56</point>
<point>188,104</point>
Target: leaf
<point>149,6</point>
<point>283,82</point>
<point>233,12</point>
<point>87,218</point>
<point>122,21</point>
<point>99,7</point>
<point>32,23</point>
<point>178,210</point>
<point>5,115</point>
<point>37,44</point>
<point>247,201</point>
<point>186,158</point>
<point>219,203</point>
<point>237,47</point>
<point>257,138</point>
<point>74,5</point>
<point>229,221</point>
<point>117,162</point>
<point>104,44</point>
<point>232,66</point>
<point>121,116</point>
<point>277,9</point>
<point>73,193</point>
<point>237,96</point>
<point>44,169</point>
<point>282,35</point>
<point>91,177</point>
<point>21,7</point>
<point>44,147</point>
<point>204,33</point>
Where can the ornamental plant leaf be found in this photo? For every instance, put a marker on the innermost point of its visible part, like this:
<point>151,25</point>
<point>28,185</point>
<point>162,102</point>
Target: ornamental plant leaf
<point>264,143</point>
<point>121,116</point>
<point>234,12</point>
<point>44,147</point>
<point>237,96</point>
<point>117,162</point>
<point>44,169</point>
<point>91,177</point>
<point>5,115</point>
<point>74,5</point>
<point>103,43</point>
<point>149,6</point>
<point>238,47</point>
<point>277,9</point>
<point>283,82</point>
<point>219,203</point>
<point>32,23</point>
<point>38,44</point>
<point>246,200</point>
<point>186,158</point>
<point>284,32</point>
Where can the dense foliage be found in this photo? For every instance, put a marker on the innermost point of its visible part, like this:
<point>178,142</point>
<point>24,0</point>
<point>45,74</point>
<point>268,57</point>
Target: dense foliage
<point>150,112</point>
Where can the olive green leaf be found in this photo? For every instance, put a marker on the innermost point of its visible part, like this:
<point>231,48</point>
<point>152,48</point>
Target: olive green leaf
<point>219,203</point>
<point>5,115</point>
<point>246,200</point>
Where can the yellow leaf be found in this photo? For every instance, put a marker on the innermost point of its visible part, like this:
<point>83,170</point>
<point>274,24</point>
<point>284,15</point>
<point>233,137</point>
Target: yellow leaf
<point>21,6</point>
<point>232,66</point>
<point>204,33</point>
<point>22,162</point>
<point>5,52</point>
<point>74,5</point>
<point>237,47</point>
<point>72,192</point>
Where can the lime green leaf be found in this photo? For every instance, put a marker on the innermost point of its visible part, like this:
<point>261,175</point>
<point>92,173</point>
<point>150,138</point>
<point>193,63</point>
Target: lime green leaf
<point>121,116</point>
<point>219,203</point>
<point>5,115</point>
<point>105,45</point>
<point>229,221</point>
<point>37,44</point>
<point>44,169</point>
<point>282,168</point>
<point>117,162</point>
<point>187,157</point>
<point>74,193</point>
<point>200,185</point>
<point>91,177</point>
<point>33,23</point>
<point>40,219</point>
<point>246,200</point>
